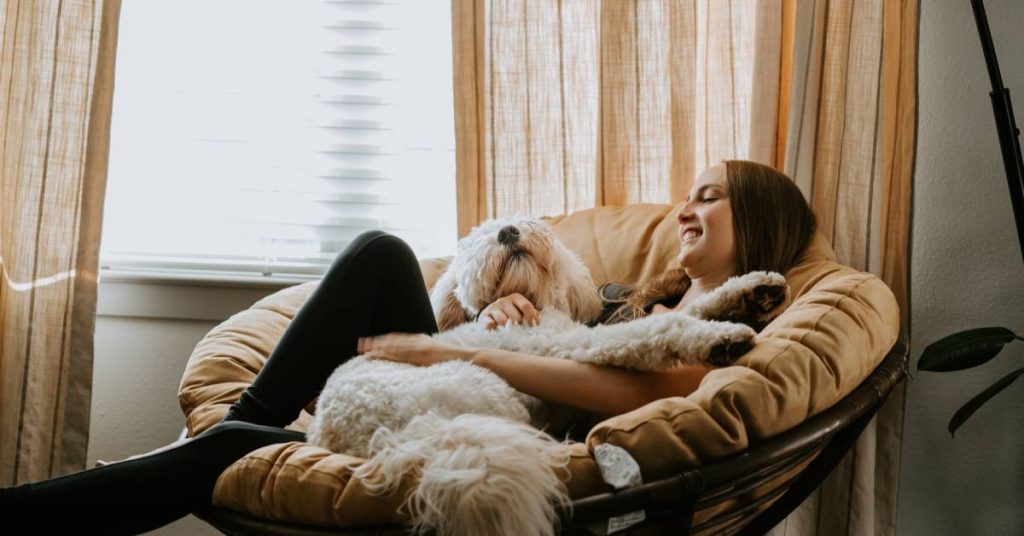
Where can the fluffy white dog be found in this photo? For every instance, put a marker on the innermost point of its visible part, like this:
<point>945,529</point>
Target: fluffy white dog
<point>484,466</point>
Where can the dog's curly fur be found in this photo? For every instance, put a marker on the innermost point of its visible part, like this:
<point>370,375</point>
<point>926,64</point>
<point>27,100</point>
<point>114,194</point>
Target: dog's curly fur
<point>535,265</point>
<point>462,430</point>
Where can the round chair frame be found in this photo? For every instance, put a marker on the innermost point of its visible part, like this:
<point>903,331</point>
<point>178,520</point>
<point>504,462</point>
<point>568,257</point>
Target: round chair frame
<point>669,503</point>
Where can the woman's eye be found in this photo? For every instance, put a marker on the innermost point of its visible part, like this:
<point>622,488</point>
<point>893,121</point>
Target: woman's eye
<point>709,200</point>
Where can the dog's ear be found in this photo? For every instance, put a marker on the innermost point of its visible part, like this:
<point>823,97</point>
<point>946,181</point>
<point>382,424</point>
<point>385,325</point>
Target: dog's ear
<point>451,314</point>
<point>584,303</point>
<point>448,311</point>
<point>581,292</point>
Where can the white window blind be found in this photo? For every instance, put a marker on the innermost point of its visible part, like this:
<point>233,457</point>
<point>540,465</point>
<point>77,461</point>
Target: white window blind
<point>258,138</point>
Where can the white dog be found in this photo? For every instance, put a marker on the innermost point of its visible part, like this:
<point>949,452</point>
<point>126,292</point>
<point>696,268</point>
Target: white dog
<point>484,466</point>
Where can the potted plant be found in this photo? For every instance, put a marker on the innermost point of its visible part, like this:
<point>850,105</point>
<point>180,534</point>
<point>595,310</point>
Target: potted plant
<point>974,347</point>
<point>968,349</point>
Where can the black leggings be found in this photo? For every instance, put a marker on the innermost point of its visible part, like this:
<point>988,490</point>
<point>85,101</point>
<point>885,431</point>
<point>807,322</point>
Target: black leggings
<point>373,287</point>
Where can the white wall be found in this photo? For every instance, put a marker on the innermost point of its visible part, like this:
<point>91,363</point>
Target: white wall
<point>967,272</point>
<point>134,409</point>
<point>143,339</point>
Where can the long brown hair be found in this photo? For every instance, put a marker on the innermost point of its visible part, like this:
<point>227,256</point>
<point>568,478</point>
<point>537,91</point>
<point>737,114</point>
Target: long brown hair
<point>771,219</point>
<point>772,224</point>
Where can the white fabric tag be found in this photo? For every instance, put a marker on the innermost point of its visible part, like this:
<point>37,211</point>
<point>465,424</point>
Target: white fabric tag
<point>619,470</point>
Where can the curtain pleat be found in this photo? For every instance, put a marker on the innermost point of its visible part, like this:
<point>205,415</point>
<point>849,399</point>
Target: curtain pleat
<point>808,52</point>
<point>587,103</point>
<point>723,82</point>
<point>683,50</point>
<point>851,148</point>
<point>899,140</point>
<point>56,85</point>
<point>565,105</point>
<point>620,95</point>
<point>468,68</point>
<point>765,85</point>
<point>580,73</point>
<point>846,171</point>
<point>846,164</point>
<point>898,124</point>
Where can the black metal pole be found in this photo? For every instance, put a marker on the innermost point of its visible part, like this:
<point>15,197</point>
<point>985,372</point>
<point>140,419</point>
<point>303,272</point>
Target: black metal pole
<point>1006,127</point>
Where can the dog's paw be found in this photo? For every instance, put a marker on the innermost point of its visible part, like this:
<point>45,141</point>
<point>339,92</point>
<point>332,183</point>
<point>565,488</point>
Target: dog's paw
<point>726,342</point>
<point>713,342</point>
<point>764,300</point>
<point>727,353</point>
<point>753,299</point>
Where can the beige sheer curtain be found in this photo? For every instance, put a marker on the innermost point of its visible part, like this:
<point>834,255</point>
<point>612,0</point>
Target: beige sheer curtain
<point>56,78</point>
<point>565,105</point>
<point>852,132</point>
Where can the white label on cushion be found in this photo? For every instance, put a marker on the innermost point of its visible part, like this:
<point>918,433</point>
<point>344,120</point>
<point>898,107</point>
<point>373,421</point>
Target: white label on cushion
<point>616,524</point>
<point>619,470</point>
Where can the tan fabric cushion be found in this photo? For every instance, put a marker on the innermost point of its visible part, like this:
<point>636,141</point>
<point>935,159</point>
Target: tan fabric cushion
<point>838,328</point>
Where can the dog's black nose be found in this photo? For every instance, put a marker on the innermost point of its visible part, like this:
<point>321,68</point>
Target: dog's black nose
<point>508,234</point>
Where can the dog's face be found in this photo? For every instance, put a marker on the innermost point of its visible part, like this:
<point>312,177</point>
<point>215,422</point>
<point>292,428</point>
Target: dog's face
<point>503,256</point>
<point>508,255</point>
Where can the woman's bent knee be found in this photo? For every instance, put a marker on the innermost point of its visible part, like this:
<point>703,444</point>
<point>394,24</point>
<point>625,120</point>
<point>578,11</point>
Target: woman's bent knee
<point>380,246</point>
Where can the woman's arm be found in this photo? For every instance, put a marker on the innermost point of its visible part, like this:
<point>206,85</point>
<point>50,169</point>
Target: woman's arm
<point>600,389</point>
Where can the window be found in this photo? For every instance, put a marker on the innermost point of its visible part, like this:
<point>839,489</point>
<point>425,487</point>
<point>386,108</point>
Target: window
<point>255,139</point>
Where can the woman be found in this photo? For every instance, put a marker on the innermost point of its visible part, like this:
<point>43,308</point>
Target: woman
<point>739,217</point>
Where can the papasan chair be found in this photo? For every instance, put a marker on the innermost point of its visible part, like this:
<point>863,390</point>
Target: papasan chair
<point>737,455</point>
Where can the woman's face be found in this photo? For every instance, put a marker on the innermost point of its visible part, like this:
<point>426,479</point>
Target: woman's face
<point>707,241</point>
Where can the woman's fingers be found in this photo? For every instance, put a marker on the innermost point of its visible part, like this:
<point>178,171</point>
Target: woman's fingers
<point>372,345</point>
<point>384,345</point>
<point>410,348</point>
<point>512,313</point>
<point>498,318</point>
<point>512,308</point>
<point>527,312</point>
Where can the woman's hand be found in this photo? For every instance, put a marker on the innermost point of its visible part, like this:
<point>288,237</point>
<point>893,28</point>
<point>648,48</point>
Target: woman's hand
<point>513,308</point>
<point>411,348</point>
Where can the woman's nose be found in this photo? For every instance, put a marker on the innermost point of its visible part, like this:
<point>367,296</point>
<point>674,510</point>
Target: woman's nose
<point>684,214</point>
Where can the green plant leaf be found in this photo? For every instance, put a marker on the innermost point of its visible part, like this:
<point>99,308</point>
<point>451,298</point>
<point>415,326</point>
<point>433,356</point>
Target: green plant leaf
<point>965,349</point>
<point>975,403</point>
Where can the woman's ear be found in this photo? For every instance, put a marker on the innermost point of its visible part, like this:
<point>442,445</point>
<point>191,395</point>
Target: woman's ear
<point>448,311</point>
